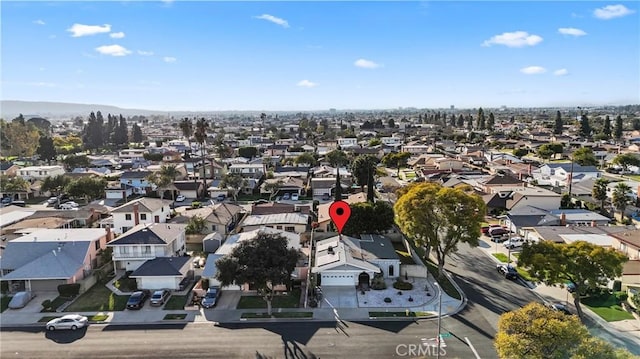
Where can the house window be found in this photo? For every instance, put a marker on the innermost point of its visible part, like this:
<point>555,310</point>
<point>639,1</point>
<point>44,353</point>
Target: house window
<point>146,250</point>
<point>391,269</point>
<point>143,216</point>
<point>124,250</point>
<point>290,229</point>
<point>279,227</point>
<point>156,219</point>
<point>97,244</point>
<point>127,216</point>
<point>213,228</point>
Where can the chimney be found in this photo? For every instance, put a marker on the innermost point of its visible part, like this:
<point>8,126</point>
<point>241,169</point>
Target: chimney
<point>108,235</point>
<point>136,214</point>
<point>563,219</point>
<point>593,224</point>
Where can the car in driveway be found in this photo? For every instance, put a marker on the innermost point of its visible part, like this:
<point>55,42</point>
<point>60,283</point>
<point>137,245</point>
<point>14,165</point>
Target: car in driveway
<point>286,196</point>
<point>295,197</point>
<point>514,242</point>
<point>20,300</point>
<point>180,198</point>
<point>159,297</point>
<point>485,229</point>
<point>497,231</point>
<point>210,299</point>
<point>52,200</point>
<point>507,271</point>
<point>69,321</point>
<point>559,307</point>
<point>137,299</point>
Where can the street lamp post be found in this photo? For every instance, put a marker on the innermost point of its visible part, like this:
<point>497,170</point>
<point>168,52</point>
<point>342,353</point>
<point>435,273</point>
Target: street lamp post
<point>438,339</point>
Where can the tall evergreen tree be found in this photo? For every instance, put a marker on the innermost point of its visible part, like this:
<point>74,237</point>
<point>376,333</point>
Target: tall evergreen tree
<point>557,128</point>
<point>470,122</point>
<point>452,120</point>
<point>338,191</point>
<point>606,130</point>
<point>491,122</point>
<point>617,130</point>
<point>98,130</point>
<point>137,133</point>
<point>121,134</point>
<point>460,123</point>
<point>481,119</point>
<point>585,128</point>
<point>46,150</point>
<point>636,124</point>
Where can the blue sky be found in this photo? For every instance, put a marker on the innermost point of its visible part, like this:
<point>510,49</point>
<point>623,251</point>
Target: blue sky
<point>179,55</point>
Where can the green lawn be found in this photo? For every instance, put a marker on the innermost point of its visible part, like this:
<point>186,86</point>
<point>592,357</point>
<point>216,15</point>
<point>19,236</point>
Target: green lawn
<point>98,298</point>
<point>55,304</point>
<point>501,257</point>
<point>291,300</point>
<point>405,257</point>
<point>180,316</point>
<point>176,302</point>
<point>126,284</point>
<point>4,302</point>
<point>92,318</point>
<point>249,315</point>
<point>607,307</point>
<point>399,314</point>
<point>524,274</point>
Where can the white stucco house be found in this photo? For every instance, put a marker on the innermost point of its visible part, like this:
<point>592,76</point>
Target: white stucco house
<point>140,211</point>
<point>559,174</point>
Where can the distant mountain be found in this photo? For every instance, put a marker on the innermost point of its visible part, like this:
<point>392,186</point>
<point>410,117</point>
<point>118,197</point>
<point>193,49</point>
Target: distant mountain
<point>9,109</point>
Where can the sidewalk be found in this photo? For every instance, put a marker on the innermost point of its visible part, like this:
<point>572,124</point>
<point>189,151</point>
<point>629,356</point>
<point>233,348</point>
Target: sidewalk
<point>629,328</point>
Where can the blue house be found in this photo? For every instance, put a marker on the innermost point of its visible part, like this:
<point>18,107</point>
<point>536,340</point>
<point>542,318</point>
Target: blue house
<point>137,180</point>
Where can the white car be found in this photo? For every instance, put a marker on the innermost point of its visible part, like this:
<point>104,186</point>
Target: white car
<point>295,197</point>
<point>180,198</point>
<point>69,206</point>
<point>52,200</point>
<point>69,321</point>
<point>514,242</point>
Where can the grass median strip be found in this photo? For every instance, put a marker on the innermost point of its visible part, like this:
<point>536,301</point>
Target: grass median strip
<point>176,302</point>
<point>400,314</point>
<point>250,315</point>
<point>98,298</point>
<point>92,318</point>
<point>179,316</point>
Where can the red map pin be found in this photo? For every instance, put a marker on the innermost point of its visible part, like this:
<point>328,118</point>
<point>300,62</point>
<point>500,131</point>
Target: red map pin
<point>339,211</point>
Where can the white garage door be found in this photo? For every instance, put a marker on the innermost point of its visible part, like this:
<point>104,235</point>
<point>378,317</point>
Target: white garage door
<point>159,283</point>
<point>337,279</point>
<point>321,191</point>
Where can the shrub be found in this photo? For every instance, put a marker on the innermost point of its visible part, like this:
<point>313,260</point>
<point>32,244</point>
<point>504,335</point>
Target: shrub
<point>205,283</point>
<point>399,284</point>
<point>69,290</point>
<point>621,296</point>
<point>387,300</point>
<point>378,283</point>
<point>4,287</point>
<point>46,305</point>
<point>195,204</point>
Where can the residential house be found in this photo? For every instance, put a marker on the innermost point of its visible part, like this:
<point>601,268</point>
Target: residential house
<point>295,222</point>
<point>140,211</point>
<point>162,273</point>
<point>628,242</point>
<point>210,268</point>
<point>324,220</point>
<point>276,207</point>
<point>248,170</point>
<point>46,258</point>
<point>348,142</point>
<point>285,185</point>
<point>325,186</point>
<point>221,218</point>
<point>189,188</point>
<point>497,182</point>
<point>559,174</point>
<point>278,150</point>
<point>525,218</point>
<point>138,181</point>
<point>131,154</point>
<point>8,169</point>
<point>532,196</point>
<point>40,172</point>
<point>147,241</point>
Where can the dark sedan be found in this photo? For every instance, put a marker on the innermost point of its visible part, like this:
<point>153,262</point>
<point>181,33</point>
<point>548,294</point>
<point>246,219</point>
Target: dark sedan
<point>508,271</point>
<point>559,307</point>
<point>137,299</point>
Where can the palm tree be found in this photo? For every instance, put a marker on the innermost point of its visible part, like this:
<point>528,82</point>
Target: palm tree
<point>187,131</point>
<point>170,172</point>
<point>201,137</point>
<point>620,198</point>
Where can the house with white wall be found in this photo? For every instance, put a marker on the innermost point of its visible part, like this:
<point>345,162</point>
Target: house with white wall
<point>559,174</point>
<point>40,172</point>
<point>140,211</point>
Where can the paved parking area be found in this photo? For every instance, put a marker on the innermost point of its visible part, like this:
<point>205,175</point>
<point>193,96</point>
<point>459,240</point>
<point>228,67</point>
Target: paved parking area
<point>228,299</point>
<point>35,305</point>
<point>339,297</point>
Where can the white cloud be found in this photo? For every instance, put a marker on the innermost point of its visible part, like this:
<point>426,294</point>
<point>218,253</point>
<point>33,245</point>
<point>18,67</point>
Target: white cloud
<point>169,59</point>
<point>39,22</point>
<point>533,70</point>
<point>366,64</point>
<point>571,31</point>
<point>273,19</point>
<point>612,11</point>
<point>145,53</point>
<point>113,50</point>
<point>116,35</point>
<point>306,83</point>
<point>514,39</point>
<point>561,72</point>
<point>78,30</point>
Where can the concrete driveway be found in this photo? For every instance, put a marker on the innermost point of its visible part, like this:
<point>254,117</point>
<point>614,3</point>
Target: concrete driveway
<point>228,299</point>
<point>339,297</point>
<point>35,305</point>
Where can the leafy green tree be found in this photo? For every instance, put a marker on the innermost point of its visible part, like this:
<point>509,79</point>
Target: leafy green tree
<point>583,264</point>
<point>617,129</point>
<point>548,150</point>
<point>46,150</point>
<point>272,187</point>
<point>491,122</point>
<point>620,198</point>
<point>76,161</point>
<point>337,158</point>
<point>306,158</point>
<point>186,126</point>
<point>396,160</point>
<point>606,129</point>
<point>626,160</point>
<point>19,139</point>
<point>557,128</point>
<point>537,332</point>
<point>584,157</point>
<point>362,168</point>
<point>460,123</point>
<point>264,262</point>
<point>374,142</point>
<point>520,152</point>
<point>196,225</point>
<point>55,184</point>
<point>247,152</point>
<point>234,181</point>
<point>136,135</point>
<point>160,181</point>
<point>599,191</point>
<point>88,188</point>
<point>369,218</point>
<point>436,217</point>
<point>391,123</point>
<point>13,184</point>
<point>585,127</point>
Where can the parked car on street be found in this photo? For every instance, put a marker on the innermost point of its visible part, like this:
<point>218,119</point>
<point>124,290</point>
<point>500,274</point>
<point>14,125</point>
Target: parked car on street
<point>295,197</point>
<point>286,196</point>
<point>20,300</point>
<point>52,200</point>
<point>69,321</point>
<point>508,271</point>
<point>159,297</point>
<point>137,299</point>
<point>514,242</point>
<point>211,297</point>
<point>559,307</point>
<point>180,198</point>
<point>6,200</point>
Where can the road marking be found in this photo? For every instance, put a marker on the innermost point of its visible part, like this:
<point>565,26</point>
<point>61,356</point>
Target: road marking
<point>472,348</point>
